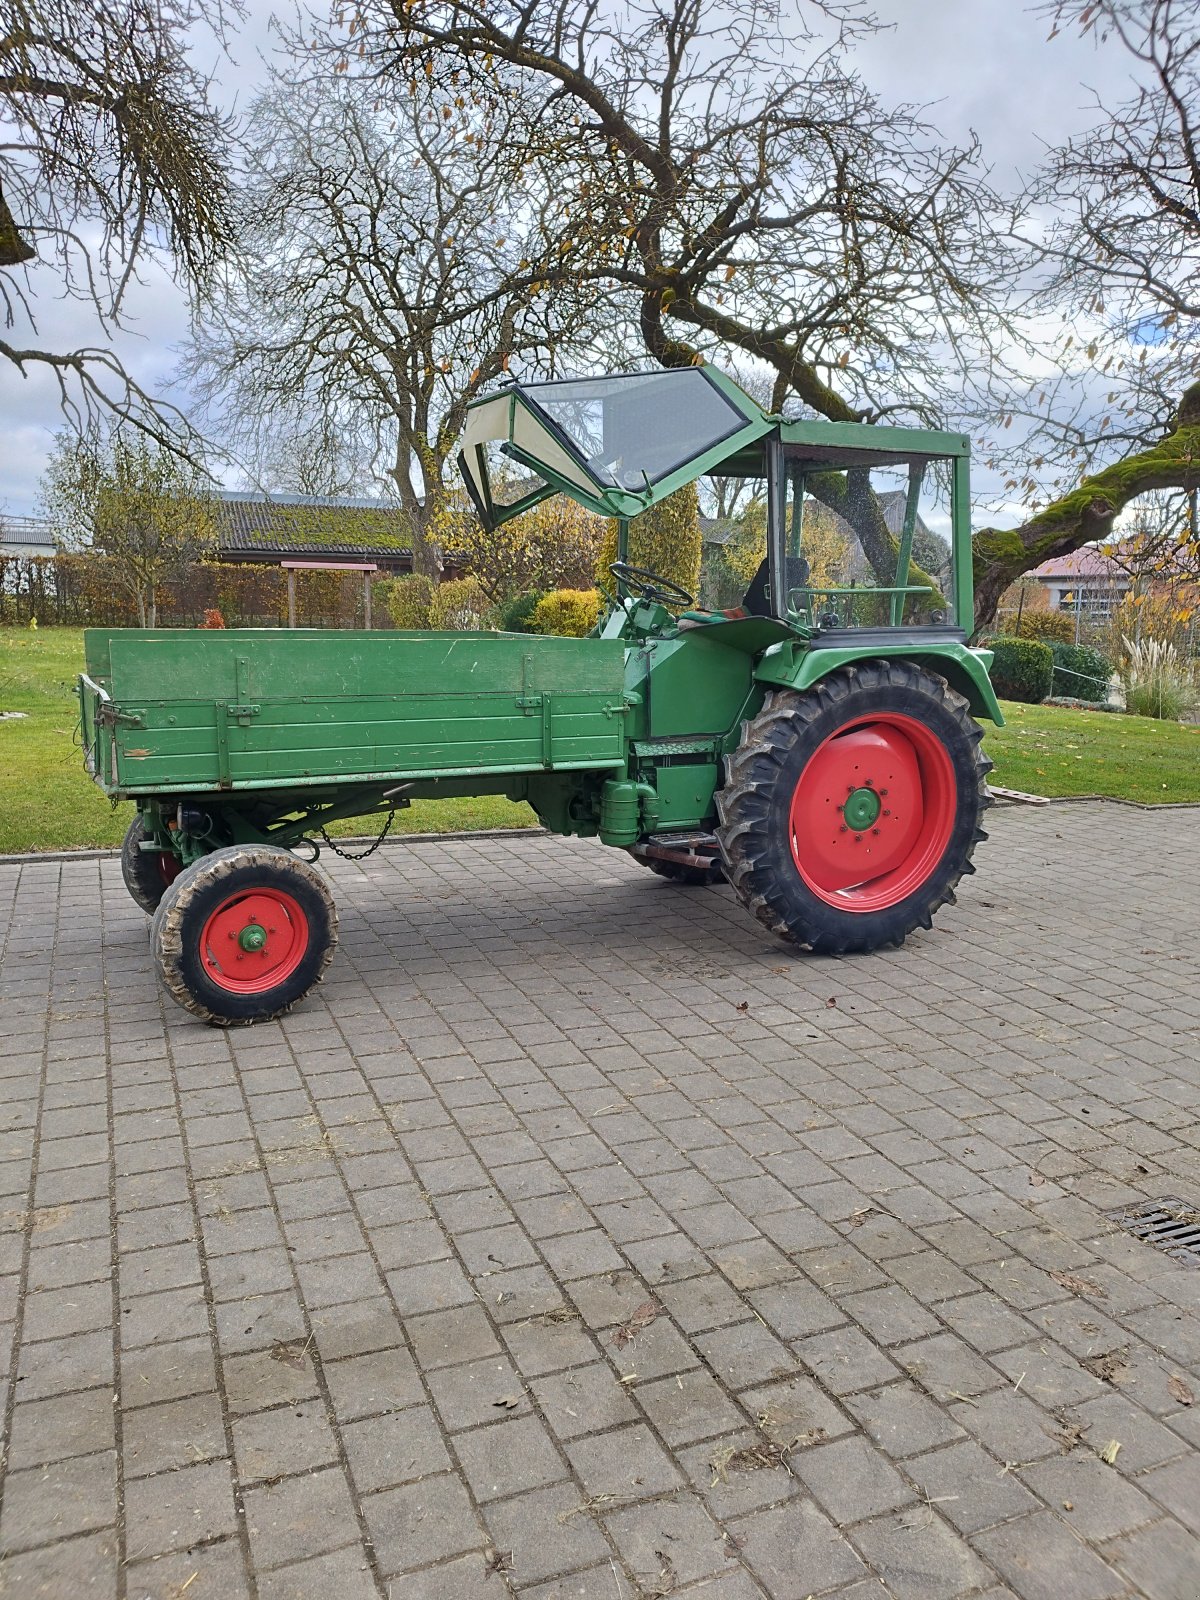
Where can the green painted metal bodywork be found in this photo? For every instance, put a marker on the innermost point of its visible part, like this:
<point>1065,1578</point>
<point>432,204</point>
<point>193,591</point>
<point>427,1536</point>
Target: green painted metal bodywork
<point>225,737</point>
<point>795,665</point>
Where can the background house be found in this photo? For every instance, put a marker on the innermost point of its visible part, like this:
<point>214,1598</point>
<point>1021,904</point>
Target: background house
<point>1088,580</point>
<point>25,536</point>
<point>269,529</point>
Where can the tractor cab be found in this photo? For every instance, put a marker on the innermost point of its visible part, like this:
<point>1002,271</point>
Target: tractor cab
<point>864,529</point>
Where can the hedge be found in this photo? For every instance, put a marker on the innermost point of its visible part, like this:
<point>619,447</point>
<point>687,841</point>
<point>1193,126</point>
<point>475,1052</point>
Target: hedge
<point>573,612</point>
<point>1022,669</point>
<point>516,613</point>
<point>1051,627</point>
<point>406,600</point>
<point>85,591</point>
<point>1080,673</point>
<point>666,540</point>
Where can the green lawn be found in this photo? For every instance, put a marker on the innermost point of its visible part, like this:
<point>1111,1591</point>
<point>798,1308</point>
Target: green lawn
<point>47,802</point>
<point>1052,751</point>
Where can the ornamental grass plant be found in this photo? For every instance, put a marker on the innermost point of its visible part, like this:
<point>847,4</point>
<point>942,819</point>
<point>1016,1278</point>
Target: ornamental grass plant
<point>1157,679</point>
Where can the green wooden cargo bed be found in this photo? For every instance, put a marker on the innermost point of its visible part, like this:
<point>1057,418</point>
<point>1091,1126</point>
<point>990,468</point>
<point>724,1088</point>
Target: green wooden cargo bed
<point>196,712</point>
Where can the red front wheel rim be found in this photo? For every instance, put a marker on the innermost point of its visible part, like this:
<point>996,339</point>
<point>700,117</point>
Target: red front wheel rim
<point>254,941</point>
<point>873,812</point>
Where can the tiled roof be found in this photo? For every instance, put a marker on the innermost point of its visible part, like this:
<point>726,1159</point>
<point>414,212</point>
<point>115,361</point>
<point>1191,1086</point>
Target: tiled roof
<point>28,535</point>
<point>717,530</point>
<point>298,526</point>
<point>1088,562</point>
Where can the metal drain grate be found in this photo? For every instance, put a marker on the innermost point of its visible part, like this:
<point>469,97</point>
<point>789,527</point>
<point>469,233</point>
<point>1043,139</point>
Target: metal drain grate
<point>1170,1225</point>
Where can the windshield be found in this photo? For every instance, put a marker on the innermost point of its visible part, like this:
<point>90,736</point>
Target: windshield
<point>633,430</point>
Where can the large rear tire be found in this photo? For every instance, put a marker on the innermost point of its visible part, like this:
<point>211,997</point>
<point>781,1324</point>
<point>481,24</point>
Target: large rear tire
<point>148,874</point>
<point>244,934</point>
<point>850,812</point>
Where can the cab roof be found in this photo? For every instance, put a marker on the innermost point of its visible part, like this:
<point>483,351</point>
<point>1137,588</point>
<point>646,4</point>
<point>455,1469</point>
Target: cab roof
<point>619,444</point>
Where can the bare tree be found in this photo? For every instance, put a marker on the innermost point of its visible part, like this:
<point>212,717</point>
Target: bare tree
<point>111,155</point>
<point>745,191</point>
<point>308,454</point>
<point>397,257</point>
<point>1122,417</point>
<point>740,192</point>
<point>736,181</point>
<point>134,500</point>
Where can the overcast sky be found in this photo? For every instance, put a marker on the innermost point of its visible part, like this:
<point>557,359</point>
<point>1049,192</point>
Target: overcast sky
<point>978,64</point>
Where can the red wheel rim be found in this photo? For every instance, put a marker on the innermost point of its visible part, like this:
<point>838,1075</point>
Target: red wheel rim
<point>254,941</point>
<point>168,866</point>
<point>872,812</point>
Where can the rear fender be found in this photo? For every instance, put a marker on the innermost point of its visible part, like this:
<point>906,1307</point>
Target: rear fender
<point>792,666</point>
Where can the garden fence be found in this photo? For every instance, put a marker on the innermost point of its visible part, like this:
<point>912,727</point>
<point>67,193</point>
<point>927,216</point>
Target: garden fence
<point>87,591</point>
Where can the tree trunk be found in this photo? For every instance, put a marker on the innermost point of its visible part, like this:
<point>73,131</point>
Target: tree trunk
<point>140,597</point>
<point>425,515</point>
<point>850,495</point>
<point>153,606</point>
<point>1089,512</point>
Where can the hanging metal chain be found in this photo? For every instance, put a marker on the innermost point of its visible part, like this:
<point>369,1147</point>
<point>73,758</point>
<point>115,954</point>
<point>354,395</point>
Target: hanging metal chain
<point>361,855</point>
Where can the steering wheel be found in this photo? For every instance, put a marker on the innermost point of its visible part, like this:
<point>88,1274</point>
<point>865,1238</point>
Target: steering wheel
<point>654,587</point>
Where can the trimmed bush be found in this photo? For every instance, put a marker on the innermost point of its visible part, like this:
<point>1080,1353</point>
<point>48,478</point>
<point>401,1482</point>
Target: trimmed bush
<point>1023,669</point>
<point>457,605</point>
<point>515,615</point>
<point>665,540</point>
<point>406,600</point>
<point>572,612</point>
<point>1080,673</point>
<point>1052,627</point>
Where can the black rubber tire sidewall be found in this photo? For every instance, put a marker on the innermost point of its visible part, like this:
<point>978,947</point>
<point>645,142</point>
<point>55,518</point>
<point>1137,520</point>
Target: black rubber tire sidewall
<point>199,892</point>
<point>140,869</point>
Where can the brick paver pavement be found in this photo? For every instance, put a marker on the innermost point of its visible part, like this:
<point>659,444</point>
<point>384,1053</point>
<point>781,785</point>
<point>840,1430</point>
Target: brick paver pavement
<point>577,1240</point>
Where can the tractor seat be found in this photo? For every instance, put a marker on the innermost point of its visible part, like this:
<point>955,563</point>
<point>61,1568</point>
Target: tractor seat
<point>757,599</point>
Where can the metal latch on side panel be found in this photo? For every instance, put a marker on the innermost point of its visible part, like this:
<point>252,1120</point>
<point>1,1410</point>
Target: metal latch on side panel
<point>621,706</point>
<point>109,717</point>
<point>243,713</point>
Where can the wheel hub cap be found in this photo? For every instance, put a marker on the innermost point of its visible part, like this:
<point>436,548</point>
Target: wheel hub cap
<point>253,937</point>
<point>862,809</point>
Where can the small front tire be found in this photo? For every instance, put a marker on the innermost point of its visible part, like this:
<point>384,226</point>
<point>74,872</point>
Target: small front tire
<point>148,874</point>
<point>244,934</point>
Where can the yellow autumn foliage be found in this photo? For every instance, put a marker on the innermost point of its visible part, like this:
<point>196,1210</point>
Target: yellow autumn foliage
<point>665,540</point>
<point>573,612</point>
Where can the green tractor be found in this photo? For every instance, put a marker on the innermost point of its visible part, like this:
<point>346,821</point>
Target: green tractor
<point>814,744</point>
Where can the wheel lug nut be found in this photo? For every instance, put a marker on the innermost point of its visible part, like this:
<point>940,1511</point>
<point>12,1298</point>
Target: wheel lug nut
<point>887,813</point>
<point>843,828</point>
<point>875,831</point>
